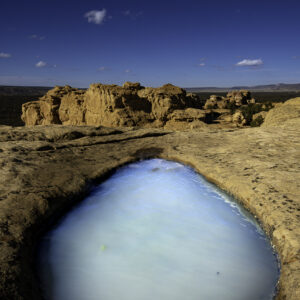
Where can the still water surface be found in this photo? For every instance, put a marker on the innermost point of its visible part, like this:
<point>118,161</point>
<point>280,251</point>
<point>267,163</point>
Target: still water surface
<point>157,230</point>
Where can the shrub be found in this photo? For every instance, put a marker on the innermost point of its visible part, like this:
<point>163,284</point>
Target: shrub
<point>232,107</point>
<point>249,110</point>
<point>257,122</point>
<point>268,106</point>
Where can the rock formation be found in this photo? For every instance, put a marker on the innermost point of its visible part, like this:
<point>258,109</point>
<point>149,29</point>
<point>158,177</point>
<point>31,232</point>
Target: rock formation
<point>133,105</point>
<point>232,99</point>
<point>112,105</point>
<point>286,114</point>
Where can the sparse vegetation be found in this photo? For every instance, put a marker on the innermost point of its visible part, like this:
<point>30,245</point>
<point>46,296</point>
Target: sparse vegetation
<point>232,107</point>
<point>249,110</point>
<point>257,122</point>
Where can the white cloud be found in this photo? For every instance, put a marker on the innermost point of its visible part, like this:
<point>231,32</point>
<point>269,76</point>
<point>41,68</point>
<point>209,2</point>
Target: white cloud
<point>102,69</point>
<point>40,64</point>
<point>127,71</point>
<point>201,64</point>
<point>132,15</point>
<point>249,63</point>
<point>5,55</point>
<point>36,37</point>
<point>96,16</point>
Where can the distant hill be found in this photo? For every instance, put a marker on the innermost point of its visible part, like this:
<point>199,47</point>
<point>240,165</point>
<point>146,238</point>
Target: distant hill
<point>280,87</point>
<point>23,90</point>
<point>42,90</point>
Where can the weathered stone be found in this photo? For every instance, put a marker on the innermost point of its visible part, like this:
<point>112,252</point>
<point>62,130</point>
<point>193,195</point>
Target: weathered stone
<point>213,102</point>
<point>132,85</point>
<point>108,105</point>
<point>190,118</point>
<point>239,97</point>
<point>128,105</point>
<point>46,169</point>
<point>286,114</point>
<point>234,98</point>
<point>239,119</point>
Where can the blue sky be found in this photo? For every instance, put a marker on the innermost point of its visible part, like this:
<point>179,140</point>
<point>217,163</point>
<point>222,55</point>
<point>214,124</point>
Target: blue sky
<point>186,43</point>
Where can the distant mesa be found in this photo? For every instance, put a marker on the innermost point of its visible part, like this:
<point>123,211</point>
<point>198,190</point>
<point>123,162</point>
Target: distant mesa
<point>168,106</point>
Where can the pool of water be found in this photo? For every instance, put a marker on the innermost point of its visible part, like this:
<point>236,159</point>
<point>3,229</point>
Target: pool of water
<point>157,230</point>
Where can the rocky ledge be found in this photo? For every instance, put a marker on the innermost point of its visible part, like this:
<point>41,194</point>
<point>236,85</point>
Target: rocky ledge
<point>44,170</point>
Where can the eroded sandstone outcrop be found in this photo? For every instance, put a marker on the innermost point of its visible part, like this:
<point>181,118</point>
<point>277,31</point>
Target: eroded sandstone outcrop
<point>134,105</point>
<point>112,105</point>
<point>232,99</point>
<point>286,114</point>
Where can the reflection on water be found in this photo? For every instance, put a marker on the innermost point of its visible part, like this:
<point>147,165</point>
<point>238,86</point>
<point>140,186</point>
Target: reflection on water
<point>157,230</point>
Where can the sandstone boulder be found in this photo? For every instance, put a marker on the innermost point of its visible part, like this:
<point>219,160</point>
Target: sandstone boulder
<point>238,118</point>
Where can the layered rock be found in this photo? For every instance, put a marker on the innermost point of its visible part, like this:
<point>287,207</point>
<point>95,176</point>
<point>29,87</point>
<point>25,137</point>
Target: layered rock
<point>111,105</point>
<point>133,105</point>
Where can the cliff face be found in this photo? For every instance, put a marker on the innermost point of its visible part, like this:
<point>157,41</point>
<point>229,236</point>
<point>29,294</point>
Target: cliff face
<point>110,105</point>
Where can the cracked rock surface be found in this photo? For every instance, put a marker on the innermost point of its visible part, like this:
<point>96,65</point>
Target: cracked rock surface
<point>44,170</point>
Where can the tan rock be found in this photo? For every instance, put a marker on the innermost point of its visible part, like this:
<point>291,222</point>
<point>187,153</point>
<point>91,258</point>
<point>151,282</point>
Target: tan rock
<point>235,98</point>
<point>107,105</point>
<point>286,114</point>
<point>47,169</point>
<point>213,102</point>
<point>189,118</point>
<point>239,97</point>
<point>239,119</point>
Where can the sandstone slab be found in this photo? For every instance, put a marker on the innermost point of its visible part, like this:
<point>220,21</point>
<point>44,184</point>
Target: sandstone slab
<point>45,170</point>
